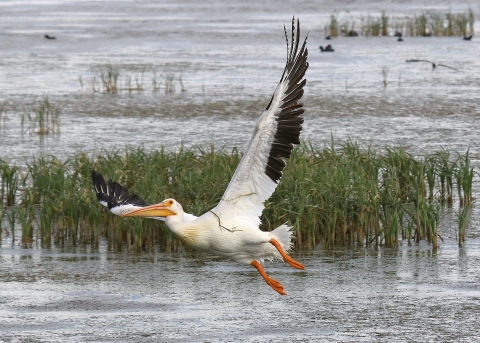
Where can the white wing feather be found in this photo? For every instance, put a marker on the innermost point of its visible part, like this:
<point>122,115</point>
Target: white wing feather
<point>277,130</point>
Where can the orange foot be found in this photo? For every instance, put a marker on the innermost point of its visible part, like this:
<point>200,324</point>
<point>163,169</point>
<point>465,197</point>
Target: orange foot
<point>286,258</point>
<point>277,286</point>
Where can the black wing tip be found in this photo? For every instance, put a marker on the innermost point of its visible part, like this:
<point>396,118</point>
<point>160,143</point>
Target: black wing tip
<point>98,182</point>
<point>293,56</point>
<point>96,176</point>
<point>289,120</point>
<point>113,193</point>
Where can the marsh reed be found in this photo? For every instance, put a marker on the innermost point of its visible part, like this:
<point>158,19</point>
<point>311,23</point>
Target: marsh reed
<point>334,195</point>
<point>428,23</point>
<point>11,181</point>
<point>42,119</point>
<point>113,79</point>
<point>3,118</point>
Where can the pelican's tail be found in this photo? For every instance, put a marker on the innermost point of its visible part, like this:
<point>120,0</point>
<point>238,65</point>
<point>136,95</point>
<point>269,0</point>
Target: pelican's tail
<point>283,235</point>
<point>282,240</point>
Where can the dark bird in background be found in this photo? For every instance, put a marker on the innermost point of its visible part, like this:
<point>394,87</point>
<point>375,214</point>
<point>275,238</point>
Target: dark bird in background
<point>49,37</point>
<point>328,37</point>
<point>399,35</point>
<point>434,65</point>
<point>328,48</point>
<point>468,38</point>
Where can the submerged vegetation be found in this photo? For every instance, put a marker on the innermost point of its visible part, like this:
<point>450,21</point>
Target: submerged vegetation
<point>113,79</point>
<point>332,196</point>
<point>428,23</point>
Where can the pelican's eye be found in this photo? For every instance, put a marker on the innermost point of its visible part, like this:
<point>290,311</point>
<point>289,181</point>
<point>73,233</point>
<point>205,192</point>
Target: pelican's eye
<point>169,203</point>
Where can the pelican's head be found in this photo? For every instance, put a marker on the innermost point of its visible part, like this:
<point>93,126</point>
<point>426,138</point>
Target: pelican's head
<point>167,208</point>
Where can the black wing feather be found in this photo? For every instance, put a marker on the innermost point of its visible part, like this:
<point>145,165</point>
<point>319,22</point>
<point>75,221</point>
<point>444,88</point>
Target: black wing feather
<point>113,193</point>
<point>289,124</point>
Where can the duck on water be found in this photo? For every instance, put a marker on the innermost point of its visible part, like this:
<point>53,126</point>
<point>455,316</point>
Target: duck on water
<point>328,48</point>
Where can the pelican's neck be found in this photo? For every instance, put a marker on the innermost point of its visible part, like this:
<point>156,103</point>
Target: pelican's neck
<point>175,222</point>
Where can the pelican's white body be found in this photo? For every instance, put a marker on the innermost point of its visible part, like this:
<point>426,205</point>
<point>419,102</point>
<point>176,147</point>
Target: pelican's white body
<point>234,237</point>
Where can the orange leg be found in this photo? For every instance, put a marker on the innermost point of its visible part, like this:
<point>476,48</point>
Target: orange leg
<point>271,282</point>
<point>286,258</point>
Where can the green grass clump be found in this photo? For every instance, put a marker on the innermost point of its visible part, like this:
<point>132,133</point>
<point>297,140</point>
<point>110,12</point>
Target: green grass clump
<point>429,23</point>
<point>333,26</point>
<point>345,195</point>
<point>109,77</point>
<point>43,119</point>
<point>115,79</point>
<point>11,181</point>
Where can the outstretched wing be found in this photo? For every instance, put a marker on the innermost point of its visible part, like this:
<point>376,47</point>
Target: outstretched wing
<point>276,133</point>
<point>420,61</point>
<point>118,200</point>
<point>115,196</point>
<point>444,65</point>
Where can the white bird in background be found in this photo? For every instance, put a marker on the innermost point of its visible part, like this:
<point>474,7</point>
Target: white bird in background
<point>231,229</point>
<point>434,65</point>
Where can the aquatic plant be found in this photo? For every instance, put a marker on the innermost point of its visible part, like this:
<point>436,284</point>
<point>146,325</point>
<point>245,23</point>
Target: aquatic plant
<point>109,76</point>
<point>471,22</point>
<point>333,26</point>
<point>334,195</point>
<point>10,182</point>
<point>371,26</point>
<point>464,173</point>
<point>169,82</point>
<point>155,82</point>
<point>138,87</point>
<point>182,86</point>
<point>114,79</point>
<point>436,24</point>
<point>43,119</point>
<point>463,220</point>
<point>3,118</point>
<point>429,23</point>
<point>385,74</point>
<point>384,21</point>
<point>80,80</point>
<point>2,217</point>
<point>95,84</point>
<point>11,216</point>
<point>421,24</point>
<point>461,22</point>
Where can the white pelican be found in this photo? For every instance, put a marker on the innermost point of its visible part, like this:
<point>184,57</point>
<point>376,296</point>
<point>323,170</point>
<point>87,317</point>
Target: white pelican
<point>434,65</point>
<point>231,229</point>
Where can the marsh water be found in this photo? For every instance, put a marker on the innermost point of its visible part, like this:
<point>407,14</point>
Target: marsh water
<point>409,294</point>
<point>230,56</point>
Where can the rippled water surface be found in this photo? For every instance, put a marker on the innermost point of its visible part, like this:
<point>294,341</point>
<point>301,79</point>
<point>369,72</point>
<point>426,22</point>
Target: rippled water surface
<point>391,295</point>
<point>230,55</point>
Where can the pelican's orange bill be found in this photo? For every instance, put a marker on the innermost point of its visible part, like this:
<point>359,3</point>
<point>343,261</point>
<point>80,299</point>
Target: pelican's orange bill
<point>157,210</point>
